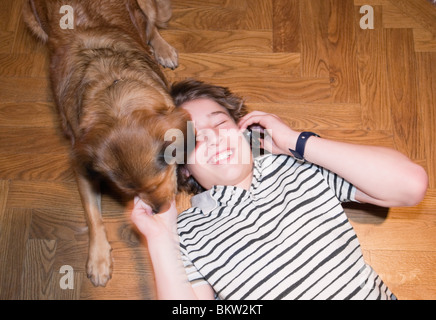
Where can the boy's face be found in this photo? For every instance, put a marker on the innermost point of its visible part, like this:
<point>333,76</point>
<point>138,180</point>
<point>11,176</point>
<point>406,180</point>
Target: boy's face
<point>222,156</point>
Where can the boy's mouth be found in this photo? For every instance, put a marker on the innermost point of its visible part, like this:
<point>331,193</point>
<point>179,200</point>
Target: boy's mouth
<point>221,157</point>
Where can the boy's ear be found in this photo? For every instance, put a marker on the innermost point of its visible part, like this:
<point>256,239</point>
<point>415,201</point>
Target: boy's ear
<point>185,172</point>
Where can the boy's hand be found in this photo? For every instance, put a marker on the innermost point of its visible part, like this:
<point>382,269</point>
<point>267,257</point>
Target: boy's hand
<point>280,136</point>
<point>154,226</point>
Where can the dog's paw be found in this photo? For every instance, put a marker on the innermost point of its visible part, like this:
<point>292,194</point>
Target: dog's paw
<point>166,55</point>
<point>99,265</point>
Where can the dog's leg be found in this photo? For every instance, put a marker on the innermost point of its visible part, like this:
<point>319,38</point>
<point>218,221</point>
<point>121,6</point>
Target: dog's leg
<point>32,19</point>
<point>99,265</point>
<point>164,12</point>
<point>165,54</point>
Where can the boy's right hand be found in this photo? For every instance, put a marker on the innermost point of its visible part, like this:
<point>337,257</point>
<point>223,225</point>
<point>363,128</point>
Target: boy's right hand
<point>154,226</point>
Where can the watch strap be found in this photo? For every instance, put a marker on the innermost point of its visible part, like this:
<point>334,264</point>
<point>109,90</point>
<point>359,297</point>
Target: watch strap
<point>298,153</point>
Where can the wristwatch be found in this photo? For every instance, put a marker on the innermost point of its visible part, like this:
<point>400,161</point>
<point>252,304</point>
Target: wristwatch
<point>298,153</point>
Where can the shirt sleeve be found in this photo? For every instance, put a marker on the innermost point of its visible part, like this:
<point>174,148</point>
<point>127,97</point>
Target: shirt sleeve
<point>343,189</point>
<point>194,276</point>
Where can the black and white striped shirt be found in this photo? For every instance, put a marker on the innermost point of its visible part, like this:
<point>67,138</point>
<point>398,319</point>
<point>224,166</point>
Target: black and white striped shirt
<point>286,238</point>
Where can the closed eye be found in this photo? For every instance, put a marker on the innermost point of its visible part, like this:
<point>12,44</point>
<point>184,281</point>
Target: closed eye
<point>221,123</point>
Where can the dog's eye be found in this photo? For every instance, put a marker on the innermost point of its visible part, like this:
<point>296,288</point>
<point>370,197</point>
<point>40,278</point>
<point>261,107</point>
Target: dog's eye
<point>152,188</point>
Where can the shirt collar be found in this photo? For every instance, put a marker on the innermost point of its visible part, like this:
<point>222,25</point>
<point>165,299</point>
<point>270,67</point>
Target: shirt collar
<point>205,201</point>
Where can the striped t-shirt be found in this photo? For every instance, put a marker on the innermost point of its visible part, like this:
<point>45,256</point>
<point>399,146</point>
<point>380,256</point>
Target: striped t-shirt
<point>286,238</point>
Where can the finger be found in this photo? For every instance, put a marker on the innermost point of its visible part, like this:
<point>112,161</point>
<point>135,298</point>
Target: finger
<point>136,200</point>
<point>250,115</point>
<point>252,119</point>
<point>141,210</point>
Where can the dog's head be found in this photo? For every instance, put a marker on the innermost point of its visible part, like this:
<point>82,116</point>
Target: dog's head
<point>138,153</point>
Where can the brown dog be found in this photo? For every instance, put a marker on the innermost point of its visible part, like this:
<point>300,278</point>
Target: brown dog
<point>113,101</point>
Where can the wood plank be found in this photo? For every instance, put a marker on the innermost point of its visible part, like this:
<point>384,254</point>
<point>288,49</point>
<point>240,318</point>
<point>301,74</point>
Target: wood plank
<point>422,11</point>
<point>47,194</point>
<point>314,116</point>
<point>421,234</point>
<point>9,12</point>
<point>217,41</point>
<point>46,167</point>
<point>276,90</point>
<point>14,228</point>
<point>59,224</point>
<point>373,80</point>
<point>393,17</point>
<point>225,15</point>
<point>426,96</point>
<point>31,140</point>
<point>38,282</point>
<point>29,114</point>
<point>286,26</point>
<point>28,166</point>
<point>370,138</point>
<point>120,287</point>
<point>314,43</point>
<point>4,191</point>
<point>15,90</point>
<point>370,2</point>
<point>43,194</point>
<point>401,67</point>
<point>412,270</point>
<point>197,65</point>
<point>23,65</point>
<point>342,52</point>
<point>6,41</point>
<point>425,41</point>
<point>73,253</point>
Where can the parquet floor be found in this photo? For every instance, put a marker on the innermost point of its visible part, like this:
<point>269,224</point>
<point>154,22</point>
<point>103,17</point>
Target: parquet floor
<point>305,60</point>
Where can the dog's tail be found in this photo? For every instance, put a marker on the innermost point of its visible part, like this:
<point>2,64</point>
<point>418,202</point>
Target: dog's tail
<point>32,18</point>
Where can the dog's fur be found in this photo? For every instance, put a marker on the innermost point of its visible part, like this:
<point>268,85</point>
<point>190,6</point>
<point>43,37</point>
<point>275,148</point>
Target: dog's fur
<point>113,102</point>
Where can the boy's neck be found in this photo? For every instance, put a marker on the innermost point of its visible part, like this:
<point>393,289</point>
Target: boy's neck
<point>246,183</point>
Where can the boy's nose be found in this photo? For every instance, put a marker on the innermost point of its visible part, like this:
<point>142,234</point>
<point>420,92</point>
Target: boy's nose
<point>214,138</point>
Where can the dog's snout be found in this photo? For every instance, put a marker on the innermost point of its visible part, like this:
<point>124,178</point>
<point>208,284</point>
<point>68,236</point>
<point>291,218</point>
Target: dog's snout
<point>164,207</point>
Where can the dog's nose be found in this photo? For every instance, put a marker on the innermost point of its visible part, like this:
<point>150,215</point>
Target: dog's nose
<point>162,207</point>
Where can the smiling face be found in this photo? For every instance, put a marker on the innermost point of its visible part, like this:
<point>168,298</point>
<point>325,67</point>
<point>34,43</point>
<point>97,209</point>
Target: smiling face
<point>222,156</point>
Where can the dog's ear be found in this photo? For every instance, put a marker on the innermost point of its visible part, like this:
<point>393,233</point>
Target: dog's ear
<point>140,20</point>
<point>35,16</point>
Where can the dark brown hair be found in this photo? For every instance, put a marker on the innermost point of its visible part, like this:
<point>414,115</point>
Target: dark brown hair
<point>190,90</point>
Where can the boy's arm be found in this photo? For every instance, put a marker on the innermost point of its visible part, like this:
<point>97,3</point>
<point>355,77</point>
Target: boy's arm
<point>382,176</point>
<point>163,246</point>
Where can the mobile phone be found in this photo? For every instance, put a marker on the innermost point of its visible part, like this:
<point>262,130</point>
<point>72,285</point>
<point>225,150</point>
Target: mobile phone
<point>254,135</point>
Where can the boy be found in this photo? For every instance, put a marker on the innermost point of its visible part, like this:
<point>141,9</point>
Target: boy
<point>271,227</point>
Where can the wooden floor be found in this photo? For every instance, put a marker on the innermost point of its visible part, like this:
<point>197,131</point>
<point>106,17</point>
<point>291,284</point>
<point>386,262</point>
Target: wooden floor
<point>305,60</point>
